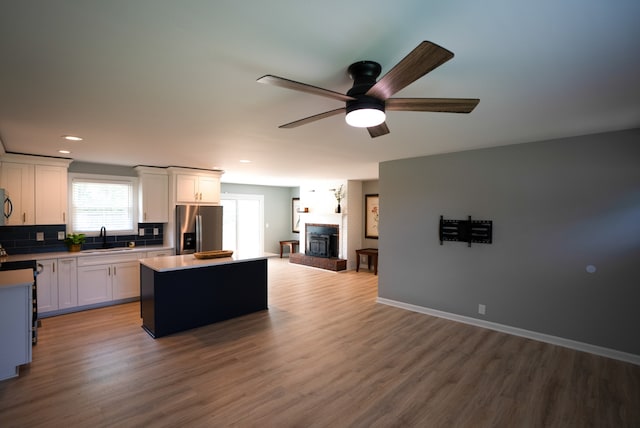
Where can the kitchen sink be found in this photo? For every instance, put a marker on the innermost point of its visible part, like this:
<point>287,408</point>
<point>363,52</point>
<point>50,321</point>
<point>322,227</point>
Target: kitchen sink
<point>107,250</point>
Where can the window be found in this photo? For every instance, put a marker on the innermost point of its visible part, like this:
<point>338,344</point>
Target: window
<point>102,201</point>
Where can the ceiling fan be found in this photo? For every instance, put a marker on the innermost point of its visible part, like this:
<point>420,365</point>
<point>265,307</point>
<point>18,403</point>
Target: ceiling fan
<point>367,99</point>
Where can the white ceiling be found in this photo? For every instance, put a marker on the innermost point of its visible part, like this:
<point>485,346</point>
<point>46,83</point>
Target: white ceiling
<point>164,82</point>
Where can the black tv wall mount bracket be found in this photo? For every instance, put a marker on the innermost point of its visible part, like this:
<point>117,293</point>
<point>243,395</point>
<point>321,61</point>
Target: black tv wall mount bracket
<point>478,231</point>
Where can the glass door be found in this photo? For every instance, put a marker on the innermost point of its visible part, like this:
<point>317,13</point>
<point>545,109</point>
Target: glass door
<point>242,223</point>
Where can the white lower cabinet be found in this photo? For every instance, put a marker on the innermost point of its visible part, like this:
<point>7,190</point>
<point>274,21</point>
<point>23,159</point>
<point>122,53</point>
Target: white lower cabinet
<point>71,282</point>
<point>94,284</point>
<point>57,285</point>
<point>126,280</point>
<point>105,278</point>
<point>47,293</point>
<point>67,283</point>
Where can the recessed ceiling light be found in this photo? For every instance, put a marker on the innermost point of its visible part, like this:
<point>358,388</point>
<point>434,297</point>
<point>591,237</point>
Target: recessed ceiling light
<point>64,152</point>
<point>71,138</point>
<point>245,161</point>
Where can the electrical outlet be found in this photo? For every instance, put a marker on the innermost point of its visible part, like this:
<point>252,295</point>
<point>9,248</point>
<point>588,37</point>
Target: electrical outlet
<point>156,231</point>
<point>60,236</point>
<point>141,232</point>
<point>39,236</point>
<point>482,309</point>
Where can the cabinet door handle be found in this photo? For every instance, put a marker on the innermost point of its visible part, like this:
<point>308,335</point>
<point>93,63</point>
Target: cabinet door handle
<point>64,217</point>
<point>109,271</point>
<point>24,217</point>
<point>114,271</point>
<point>145,216</point>
<point>54,267</point>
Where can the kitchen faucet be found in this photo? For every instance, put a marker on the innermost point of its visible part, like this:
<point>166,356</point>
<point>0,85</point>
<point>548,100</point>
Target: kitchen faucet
<point>103,235</point>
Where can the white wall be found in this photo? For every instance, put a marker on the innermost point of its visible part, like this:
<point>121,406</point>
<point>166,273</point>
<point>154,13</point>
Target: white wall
<point>557,207</point>
<point>319,198</point>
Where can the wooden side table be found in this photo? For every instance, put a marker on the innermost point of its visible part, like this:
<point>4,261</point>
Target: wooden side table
<point>292,244</point>
<point>372,256</point>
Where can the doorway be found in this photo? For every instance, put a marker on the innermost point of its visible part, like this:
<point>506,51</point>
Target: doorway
<point>243,218</point>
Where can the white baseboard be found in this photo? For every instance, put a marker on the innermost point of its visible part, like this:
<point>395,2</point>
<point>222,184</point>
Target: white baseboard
<point>541,337</point>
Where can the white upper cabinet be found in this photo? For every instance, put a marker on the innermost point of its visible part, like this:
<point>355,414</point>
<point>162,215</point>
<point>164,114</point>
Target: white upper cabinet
<point>187,188</point>
<point>209,188</point>
<point>196,186</point>
<point>51,194</point>
<point>17,179</point>
<point>36,187</point>
<point>153,196</point>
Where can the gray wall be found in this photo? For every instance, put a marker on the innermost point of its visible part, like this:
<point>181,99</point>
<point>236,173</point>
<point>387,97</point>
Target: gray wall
<point>557,207</point>
<point>277,211</point>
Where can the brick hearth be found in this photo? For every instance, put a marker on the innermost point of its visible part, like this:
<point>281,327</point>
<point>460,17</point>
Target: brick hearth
<point>319,262</point>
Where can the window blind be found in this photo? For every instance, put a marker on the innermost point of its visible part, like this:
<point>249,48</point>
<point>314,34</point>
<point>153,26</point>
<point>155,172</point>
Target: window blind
<point>97,203</point>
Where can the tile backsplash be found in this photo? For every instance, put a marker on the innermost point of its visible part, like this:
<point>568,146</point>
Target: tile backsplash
<point>23,239</point>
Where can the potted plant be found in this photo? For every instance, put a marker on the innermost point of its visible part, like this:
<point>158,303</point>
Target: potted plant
<point>339,195</point>
<point>74,241</point>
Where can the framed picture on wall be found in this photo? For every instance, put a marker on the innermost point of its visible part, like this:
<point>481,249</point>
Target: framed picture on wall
<point>371,216</point>
<point>295,215</point>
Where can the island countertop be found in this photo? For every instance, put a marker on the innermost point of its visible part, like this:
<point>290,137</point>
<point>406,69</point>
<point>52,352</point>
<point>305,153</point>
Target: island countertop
<point>16,278</point>
<point>189,261</point>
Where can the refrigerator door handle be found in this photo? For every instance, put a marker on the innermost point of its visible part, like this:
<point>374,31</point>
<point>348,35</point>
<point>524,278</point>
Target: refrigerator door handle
<point>198,233</point>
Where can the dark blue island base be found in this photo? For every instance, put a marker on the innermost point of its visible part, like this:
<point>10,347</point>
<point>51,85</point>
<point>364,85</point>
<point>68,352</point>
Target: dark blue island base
<point>178,300</point>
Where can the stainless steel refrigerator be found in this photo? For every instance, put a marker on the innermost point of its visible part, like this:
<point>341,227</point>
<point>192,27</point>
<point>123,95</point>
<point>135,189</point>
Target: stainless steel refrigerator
<point>198,228</point>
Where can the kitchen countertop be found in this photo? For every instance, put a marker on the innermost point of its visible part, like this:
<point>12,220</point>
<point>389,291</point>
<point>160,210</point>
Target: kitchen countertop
<point>189,261</point>
<point>16,278</point>
<point>67,254</point>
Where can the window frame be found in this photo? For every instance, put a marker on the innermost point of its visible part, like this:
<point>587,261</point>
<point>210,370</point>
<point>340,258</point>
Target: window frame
<point>101,178</point>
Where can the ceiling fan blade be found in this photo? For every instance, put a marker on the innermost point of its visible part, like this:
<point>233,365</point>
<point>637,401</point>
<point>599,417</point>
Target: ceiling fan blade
<point>297,86</point>
<point>377,131</point>
<point>313,118</point>
<point>419,62</point>
<point>444,105</point>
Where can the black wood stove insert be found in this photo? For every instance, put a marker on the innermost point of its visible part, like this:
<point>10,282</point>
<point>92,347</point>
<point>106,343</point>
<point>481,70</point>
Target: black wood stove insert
<point>321,240</point>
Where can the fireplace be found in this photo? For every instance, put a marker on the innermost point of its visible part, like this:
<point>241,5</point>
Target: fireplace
<point>321,240</point>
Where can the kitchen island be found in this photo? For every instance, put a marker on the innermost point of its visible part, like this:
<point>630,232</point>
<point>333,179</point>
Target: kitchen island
<point>15,321</point>
<point>179,293</point>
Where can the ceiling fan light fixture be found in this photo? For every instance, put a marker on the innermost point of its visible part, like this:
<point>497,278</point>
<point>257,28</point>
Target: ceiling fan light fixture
<point>365,117</point>
<point>365,112</point>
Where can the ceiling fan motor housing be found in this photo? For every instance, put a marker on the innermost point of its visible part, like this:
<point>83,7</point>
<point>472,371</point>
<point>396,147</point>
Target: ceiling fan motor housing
<point>363,101</point>
<point>364,75</point>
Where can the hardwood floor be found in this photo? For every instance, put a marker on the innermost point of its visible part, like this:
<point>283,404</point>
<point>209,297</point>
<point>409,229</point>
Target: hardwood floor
<point>324,354</point>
